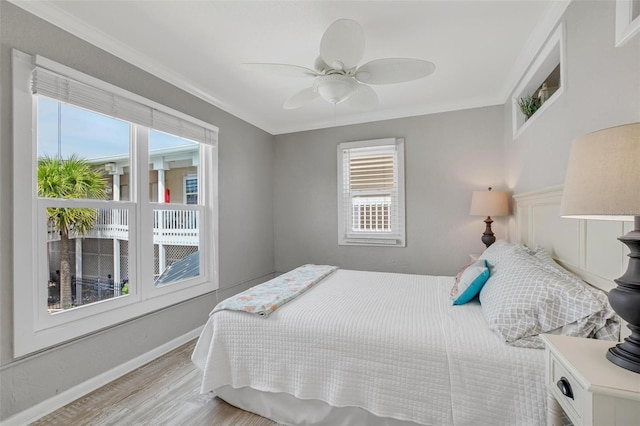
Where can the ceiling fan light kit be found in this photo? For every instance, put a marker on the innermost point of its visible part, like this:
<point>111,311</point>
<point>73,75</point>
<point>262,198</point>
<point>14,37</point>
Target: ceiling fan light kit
<point>338,78</point>
<point>335,88</point>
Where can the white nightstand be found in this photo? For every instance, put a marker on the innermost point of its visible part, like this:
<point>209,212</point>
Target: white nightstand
<point>586,386</point>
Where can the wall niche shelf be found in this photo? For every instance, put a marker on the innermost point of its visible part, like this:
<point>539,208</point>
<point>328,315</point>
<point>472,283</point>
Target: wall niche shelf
<point>545,81</point>
<point>627,20</point>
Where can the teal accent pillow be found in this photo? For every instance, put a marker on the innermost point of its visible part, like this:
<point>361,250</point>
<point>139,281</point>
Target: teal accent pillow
<point>469,282</point>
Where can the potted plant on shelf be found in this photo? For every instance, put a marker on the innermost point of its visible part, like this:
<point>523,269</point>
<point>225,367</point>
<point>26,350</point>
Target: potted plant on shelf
<point>529,105</point>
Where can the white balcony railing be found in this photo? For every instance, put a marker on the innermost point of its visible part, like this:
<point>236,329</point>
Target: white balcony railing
<point>175,227</point>
<point>111,223</point>
<point>170,227</point>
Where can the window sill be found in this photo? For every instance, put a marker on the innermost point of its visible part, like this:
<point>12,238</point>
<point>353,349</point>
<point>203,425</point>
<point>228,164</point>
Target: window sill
<point>371,241</point>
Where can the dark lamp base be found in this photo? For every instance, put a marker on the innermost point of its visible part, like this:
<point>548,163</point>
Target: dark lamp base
<point>625,300</point>
<point>625,355</point>
<point>488,238</point>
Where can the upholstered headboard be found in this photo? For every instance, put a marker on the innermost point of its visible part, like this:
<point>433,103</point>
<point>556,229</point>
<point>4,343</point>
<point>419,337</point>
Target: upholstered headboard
<point>588,248</point>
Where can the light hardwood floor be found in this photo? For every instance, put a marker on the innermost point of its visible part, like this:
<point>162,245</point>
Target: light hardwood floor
<point>163,392</point>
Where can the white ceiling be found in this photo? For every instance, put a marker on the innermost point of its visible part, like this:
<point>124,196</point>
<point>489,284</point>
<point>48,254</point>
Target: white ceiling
<point>480,49</point>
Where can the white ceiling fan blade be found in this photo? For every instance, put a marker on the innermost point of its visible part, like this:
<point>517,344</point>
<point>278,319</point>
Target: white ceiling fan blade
<point>300,98</point>
<point>342,44</point>
<point>281,69</point>
<point>364,98</point>
<point>393,70</point>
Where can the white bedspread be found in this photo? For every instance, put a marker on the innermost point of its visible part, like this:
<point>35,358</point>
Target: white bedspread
<point>389,343</point>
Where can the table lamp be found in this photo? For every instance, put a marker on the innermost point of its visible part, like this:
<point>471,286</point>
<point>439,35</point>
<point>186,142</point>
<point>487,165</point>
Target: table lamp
<point>603,182</point>
<point>489,203</point>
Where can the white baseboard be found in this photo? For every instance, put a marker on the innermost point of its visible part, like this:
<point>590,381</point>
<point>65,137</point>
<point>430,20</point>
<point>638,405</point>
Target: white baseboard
<point>50,405</point>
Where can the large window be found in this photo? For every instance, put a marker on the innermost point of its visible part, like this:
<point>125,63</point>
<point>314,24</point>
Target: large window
<point>117,205</point>
<point>371,193</point>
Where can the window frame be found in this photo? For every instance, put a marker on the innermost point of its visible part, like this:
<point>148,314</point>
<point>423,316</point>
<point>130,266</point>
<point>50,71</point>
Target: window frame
<point>34,328</point>
<point>348,237</point>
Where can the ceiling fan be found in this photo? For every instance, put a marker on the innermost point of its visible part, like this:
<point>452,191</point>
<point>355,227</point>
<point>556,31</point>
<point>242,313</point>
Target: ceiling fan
<point>337,76</point>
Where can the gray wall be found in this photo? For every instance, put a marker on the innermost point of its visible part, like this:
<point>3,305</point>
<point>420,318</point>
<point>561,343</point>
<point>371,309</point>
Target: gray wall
<point>447,156</point>
<point>246,219</point>
<point>602,90</point>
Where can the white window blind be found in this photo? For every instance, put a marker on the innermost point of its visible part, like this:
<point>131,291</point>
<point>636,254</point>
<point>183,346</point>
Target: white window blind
<point>117,105</point>
<point>372,192</point>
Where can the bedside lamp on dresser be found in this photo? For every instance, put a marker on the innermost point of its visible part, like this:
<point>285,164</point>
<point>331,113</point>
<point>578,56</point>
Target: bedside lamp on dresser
<point>489,203</point>
<point>603,183</point>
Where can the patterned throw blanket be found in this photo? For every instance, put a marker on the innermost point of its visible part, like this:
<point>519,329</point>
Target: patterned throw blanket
<point>266,298</point>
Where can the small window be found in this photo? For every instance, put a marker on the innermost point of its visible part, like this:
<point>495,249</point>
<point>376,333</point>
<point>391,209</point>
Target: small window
<point>191,190</point>
<point>371,193</point>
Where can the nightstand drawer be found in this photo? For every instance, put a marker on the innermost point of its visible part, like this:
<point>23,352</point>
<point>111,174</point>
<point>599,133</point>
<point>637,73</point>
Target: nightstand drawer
<point>567,390</point>
<point>603,393</point>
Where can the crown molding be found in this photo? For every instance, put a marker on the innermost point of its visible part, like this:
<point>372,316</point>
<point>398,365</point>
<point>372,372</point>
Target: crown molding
<point>48,11</point>
<point>389,115</point>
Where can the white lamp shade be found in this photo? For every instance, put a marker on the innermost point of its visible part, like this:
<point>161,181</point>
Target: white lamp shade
<point>603,175</point>
<point>489,203</point>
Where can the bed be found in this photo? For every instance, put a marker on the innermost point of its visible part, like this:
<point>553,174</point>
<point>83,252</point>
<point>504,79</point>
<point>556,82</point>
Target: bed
<point>372,348</point>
